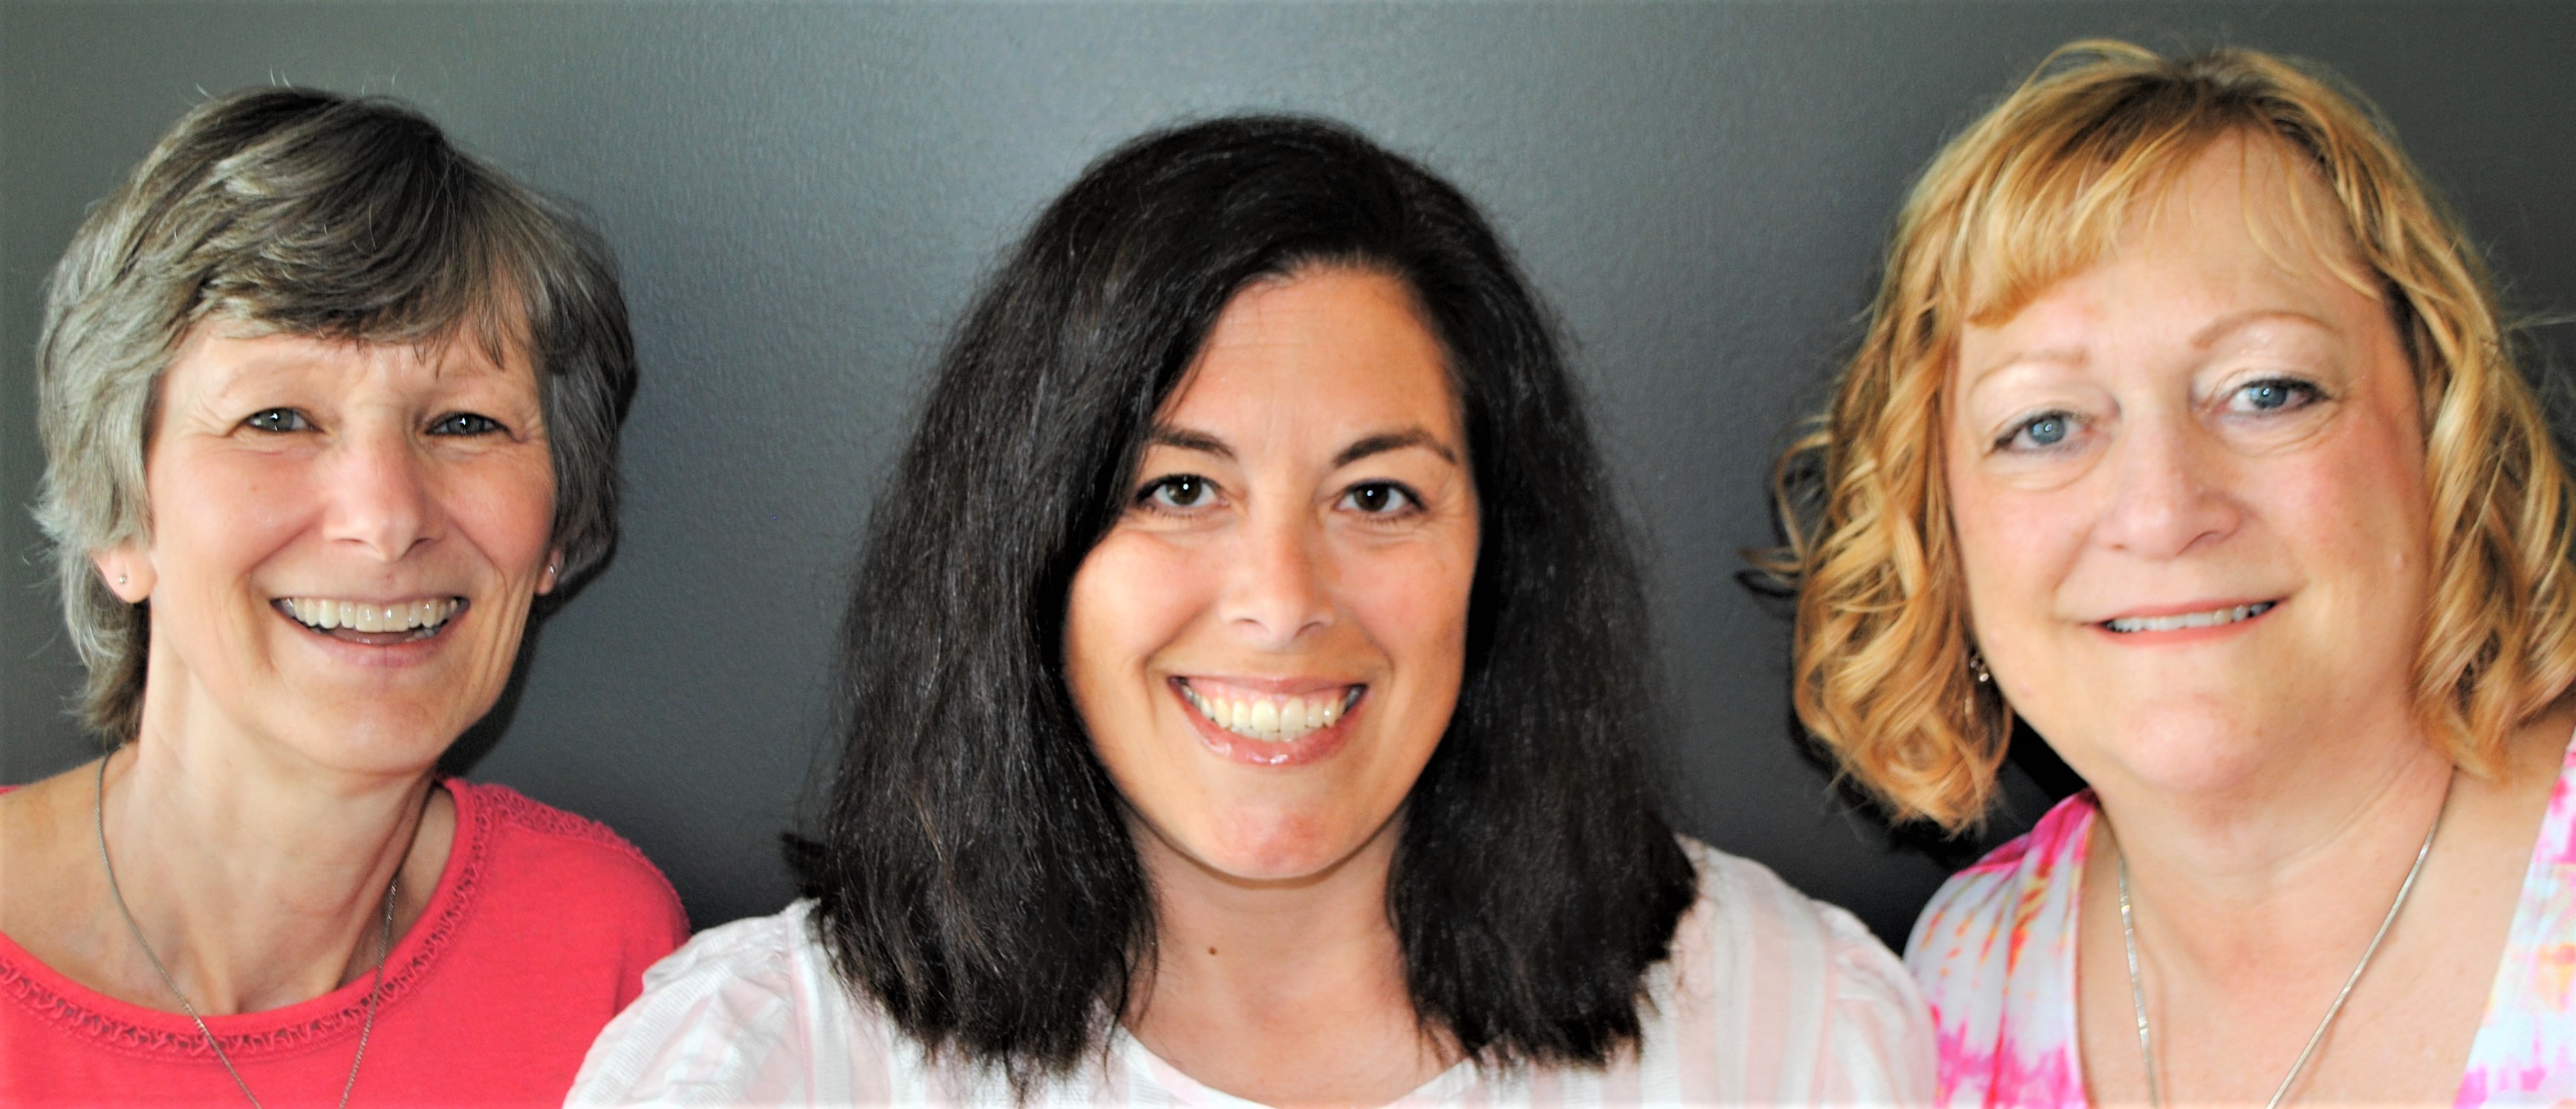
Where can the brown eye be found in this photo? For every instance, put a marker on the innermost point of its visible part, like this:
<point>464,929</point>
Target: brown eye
<point>1179,491</point>
<point>1379,498</point>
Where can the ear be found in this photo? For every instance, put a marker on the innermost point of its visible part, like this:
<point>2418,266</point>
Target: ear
<point>127,572</point>
<point>553,572</point>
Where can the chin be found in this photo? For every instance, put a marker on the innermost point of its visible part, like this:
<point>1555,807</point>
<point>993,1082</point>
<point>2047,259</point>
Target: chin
<point>376,744</point>
<point>2188,753</point>
<point>1275,846</point>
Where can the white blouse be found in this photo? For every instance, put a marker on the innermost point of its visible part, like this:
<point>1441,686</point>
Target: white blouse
<point>1768,998</point>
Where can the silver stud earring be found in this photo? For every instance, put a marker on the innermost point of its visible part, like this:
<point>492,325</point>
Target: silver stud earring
<point>1977,667</point>
<point>120,579</point>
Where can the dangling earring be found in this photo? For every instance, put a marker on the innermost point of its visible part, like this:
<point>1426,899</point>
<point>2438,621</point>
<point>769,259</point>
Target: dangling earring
<point>1977,667</point>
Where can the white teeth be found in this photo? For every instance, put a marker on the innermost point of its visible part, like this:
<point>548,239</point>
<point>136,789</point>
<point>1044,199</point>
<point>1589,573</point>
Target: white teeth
<point>1273,721</point>
<point>2179,622</point>
<point>317,612</point>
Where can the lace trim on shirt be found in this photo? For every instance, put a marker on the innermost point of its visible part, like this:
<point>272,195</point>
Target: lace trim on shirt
<point>536,816</point>
<point>486,810</point>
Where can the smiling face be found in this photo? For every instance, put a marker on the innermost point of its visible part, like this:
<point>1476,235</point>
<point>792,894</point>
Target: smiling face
<point>1267,646</point>
<point>345,541</point>
<point>2188,488</point>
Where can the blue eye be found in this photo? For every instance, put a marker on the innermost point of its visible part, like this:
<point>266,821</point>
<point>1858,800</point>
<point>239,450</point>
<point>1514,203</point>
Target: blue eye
<point>464,423</point>
<point>1380,498</point>
<point>278,421</point>
<point>2276,394</point>
<point>2039,432</point>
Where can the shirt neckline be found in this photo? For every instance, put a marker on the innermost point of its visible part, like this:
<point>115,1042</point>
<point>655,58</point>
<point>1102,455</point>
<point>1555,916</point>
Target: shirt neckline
<point>2080,840</point>
<point>135,1030</point>
<point>1443,1088</point>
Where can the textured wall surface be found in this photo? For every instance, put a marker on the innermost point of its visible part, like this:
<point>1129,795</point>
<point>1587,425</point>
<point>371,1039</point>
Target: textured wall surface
<point>802,197</point>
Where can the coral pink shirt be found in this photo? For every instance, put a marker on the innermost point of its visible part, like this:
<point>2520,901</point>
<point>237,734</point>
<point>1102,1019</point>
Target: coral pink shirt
<point>539,931</point>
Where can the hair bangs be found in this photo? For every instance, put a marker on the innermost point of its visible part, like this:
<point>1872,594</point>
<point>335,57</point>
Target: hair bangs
<point>417,249</point>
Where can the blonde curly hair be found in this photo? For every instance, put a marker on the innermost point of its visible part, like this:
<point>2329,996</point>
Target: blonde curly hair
<point>2037,189</point>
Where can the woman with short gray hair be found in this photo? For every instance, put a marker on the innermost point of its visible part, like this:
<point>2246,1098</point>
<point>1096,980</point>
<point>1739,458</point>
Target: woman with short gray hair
<point>327,405</point>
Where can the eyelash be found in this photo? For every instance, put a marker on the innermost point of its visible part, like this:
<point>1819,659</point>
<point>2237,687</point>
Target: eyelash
<point>2302,395</point>
<point>1411,501</point>
<point>2306,390</point>
<point>264,419</point>
<point>1151,497</point>
<point>455,423</point>
<point>2011,437</point>
<point>475,424</point>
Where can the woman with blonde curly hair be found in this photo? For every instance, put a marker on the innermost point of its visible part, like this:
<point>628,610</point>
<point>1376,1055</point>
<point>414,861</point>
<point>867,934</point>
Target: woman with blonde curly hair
<point>2185,432</point>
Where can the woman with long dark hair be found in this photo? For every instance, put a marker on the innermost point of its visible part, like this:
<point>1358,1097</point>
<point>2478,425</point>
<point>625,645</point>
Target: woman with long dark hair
<point>1241,698</point>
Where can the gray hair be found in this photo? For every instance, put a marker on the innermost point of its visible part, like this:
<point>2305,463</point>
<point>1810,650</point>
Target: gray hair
<point>314,214</point>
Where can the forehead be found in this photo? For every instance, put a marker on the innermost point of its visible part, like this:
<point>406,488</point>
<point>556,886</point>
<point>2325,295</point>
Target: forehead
<point>2243,225</point>
<point>1335,345</point>
<point>2241,196</point>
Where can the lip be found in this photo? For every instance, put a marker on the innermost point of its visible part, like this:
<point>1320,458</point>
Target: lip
<point>378,649</point>
<point>1314,746</point>
<point>2185,636</point>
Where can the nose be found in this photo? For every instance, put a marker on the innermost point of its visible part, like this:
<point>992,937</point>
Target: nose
<point>379,494</point>
<point>2169,489</point>
<point>1277,591</point>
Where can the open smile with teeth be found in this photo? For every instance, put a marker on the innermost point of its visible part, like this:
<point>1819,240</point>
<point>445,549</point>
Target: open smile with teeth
<point>2179,621</point>
<point>408,619</point>
<point>1273,719</point>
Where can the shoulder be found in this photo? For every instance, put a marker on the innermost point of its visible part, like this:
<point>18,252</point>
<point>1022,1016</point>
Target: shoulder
<point>2003,891</point>
<point>1816,1005</point>
<point>747,1011</point>
<point>1994,954</point>
<point>577,861</point>
<point>1743,905</point>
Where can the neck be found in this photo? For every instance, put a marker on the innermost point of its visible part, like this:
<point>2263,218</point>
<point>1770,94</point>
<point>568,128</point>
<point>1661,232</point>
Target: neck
<point>2277,859</point>
<point>258,879</point>
<point>1289,991</point>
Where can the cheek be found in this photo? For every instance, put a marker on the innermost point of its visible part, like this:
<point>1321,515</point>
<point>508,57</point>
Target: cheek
<point>1413,604</point>
<point>1130,598</point>
<point>507,507</point>
<point>2012,545</point>
<point>218,515</point>
<point>2363,510</point>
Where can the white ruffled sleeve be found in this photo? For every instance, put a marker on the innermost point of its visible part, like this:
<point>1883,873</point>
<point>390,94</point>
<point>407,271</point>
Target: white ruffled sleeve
<point>733,1018</point>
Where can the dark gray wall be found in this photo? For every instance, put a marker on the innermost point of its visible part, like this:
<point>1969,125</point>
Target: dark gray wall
<point>803,196</point>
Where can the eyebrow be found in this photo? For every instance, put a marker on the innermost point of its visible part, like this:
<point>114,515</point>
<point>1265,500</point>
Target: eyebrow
<point>2208,336</point>
<point>1181,438</point>
<point>1394,441</point>
<point>1185,439</point>
<point>2223,326</point>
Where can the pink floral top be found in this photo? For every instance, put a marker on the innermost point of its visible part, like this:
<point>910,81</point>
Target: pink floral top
<point>1995,955</point>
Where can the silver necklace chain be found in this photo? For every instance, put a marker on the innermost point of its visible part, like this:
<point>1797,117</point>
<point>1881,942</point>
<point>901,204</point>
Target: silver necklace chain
<point>393,891</point>
<point>2138,993</point>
